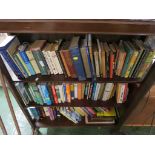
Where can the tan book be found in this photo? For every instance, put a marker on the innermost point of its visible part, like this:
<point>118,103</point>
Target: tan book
<point>103,62</point>
<point>101,91</point>
<point>32,60</point>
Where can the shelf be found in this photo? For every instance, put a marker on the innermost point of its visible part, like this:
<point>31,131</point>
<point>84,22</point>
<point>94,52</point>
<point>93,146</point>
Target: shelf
<point>114,27</point>
<point>79,103</point>
<point>63,122</point>
<point>62,78</point>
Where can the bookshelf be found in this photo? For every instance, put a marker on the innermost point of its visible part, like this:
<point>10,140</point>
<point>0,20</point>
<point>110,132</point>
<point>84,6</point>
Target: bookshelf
<point>30,30</point>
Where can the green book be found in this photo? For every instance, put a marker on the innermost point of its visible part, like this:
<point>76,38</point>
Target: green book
<point>37,95</point>
<point>129,52</point>
<point>36,49</point>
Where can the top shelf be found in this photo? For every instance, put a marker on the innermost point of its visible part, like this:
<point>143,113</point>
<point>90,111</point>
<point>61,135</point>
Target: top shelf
<point>62,78</point>
<point>115,27</point>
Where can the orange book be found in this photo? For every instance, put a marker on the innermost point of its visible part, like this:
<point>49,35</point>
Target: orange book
<point>79,94</point>
<point>111,64</point>
<point>68,92</point>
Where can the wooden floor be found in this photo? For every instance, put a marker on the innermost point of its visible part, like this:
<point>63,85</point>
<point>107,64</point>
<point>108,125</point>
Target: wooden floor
<point>144,114</point>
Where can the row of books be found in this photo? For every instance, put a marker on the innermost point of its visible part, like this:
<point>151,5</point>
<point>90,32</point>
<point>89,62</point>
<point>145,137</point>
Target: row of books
<point>79,57</point>
<point>49,93</point>
<point>96,115</point>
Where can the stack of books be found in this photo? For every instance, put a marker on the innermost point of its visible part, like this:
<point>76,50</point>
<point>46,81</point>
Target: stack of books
<point>96,115</point>
<point>79,57</point>
<point>48,94</point>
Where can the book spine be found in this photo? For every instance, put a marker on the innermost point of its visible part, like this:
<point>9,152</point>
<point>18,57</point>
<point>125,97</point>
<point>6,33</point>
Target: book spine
<point>24,65</point>
<point>103,64</point>
<point>61,93</point>
<point>72,91</point>
<point>79,87</point>
<point>78,64</point>
<point>69,62</point>
<point>54,94</point>
<point>68,93</point>
<point>96,57</point>
<point>94,91</point>
<point>85,62</point>
<point>131,63</point>
<point>97,91</point>
<point>75,91</point>
<point>27,62</point>
<point>64,90</point>
<point>33,62</point>
<point>111,65</point>
<point>58,93</point>
<point>41,93</point>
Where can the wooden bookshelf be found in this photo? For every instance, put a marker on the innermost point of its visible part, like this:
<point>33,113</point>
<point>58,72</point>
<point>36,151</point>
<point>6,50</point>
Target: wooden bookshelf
<point>63,122</point>
<point>62,78</point>
<point>78,103</point>
<point>30,30</point>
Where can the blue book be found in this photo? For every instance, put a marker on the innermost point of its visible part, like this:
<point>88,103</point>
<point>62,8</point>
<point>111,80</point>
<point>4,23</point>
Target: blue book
<point>25,58</point>
<point>77,59</point>
<point>45,93</point>
<point>65,95</point>
<point>34,113</point>
<point>4,51</point>
<point>94,91</point>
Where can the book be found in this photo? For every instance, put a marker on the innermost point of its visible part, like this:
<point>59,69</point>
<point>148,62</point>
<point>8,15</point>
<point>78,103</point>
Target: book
<point>68,93</point>
<point>101,90</point>
<point>72,91</point>
<point>32,60</point>
<point>33,113</point>
<point>96,60</point>
<point>58,93</point>
<point>79,91</point>
<point>5,45</point>
<point>36,48</point>
<point>107,92</point>
<point>75,90</point>
<point>67,60</point>
<point>103,61</point>
<point>54,94</point>
<point>86,58</point>
<point>76,58</point>
<point>22,51</point>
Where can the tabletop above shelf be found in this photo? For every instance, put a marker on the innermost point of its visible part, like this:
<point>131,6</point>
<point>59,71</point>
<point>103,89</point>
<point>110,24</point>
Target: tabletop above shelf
<point>121,27</point>
<point>62,78</point>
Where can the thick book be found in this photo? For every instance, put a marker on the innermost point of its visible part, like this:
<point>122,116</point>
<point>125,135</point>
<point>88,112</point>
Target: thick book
<point>4,46</point>
<point>107,91</point>
<point>67,60</point>
<point>68,92</point>
<point>86,58</point>
<point>33,113</point>
<point>54,94</point>
<point>76,58</point>
<point>101,91</point>
<point>32,60</point>
<point>22,51</point>
<point>36,49</point>
<point>103,61</point>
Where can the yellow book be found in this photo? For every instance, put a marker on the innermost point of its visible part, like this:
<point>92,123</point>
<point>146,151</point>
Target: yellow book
<point>131,63</point>
<point>110,112</point>
<point>80,111</point>
<point>118,92</point>
<point>22,62</point>
<point>32,61</point>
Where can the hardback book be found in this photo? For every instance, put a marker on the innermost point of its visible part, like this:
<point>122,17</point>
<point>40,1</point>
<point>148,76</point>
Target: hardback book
<point>64,91</point>
<point>121,59</point>
<point>58,93</point>
<point>37,96</point>
<point>50,92</point>
<point>33,113</point>
<point>61,91</point>
<point>8,42</point>
<point>96,60</point>
<point>94,91</point>
<point>80,111</point>
<point>86,58</point>
<point>97,91</point>
<point>75,90</point>
<point>22,51</point>
<point>101,91</point>
<point>36,49</point>
<point>107,91</point>
<point>90,48</point>
<point>46,111</point>
<point>132,60</point>
<point>32,60</point>
<point>68,92</point>
<point>83,90</point>
<point>76,58</point>
<point>129,52</point>
<point>72,91</point>
<point>79,91</point>
<point>67,59</point>
<point>107,58</point>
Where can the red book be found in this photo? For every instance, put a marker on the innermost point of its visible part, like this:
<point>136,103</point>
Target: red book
<point>54,94</point>
<point>111,64</point>
<point>125,93</point>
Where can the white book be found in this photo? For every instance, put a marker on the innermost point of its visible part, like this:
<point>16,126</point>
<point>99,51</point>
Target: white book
<point>57,89</point>
<point>107,91</point>
<point>96,57</point>
<point>97,91</point>
<point>61,91</point>
<point>52,63</point>
<point>56,62</point>
<point>75,90</point>
<point>47,58</point>
<point>121,95</point>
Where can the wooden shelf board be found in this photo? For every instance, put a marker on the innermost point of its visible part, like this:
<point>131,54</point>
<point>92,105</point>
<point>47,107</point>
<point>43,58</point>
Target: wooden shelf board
<point>63,122</point>
<point>79,103</point>
<point>62,78</point>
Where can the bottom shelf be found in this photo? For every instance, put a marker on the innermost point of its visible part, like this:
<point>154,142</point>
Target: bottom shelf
<point>63,122</point>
